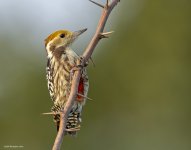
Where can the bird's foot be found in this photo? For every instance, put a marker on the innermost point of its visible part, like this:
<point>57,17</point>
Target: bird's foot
<point>75,68</point>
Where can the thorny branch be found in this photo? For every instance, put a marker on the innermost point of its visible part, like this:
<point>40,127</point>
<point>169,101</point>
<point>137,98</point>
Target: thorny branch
<point>99,34</point>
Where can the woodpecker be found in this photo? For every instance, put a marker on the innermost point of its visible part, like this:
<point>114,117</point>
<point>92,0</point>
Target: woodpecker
<point>61,60</point>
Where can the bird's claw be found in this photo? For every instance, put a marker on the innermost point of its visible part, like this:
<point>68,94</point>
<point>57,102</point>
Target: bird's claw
<point>75,68</point>
<point>85,63</point>
<point>78,67</point>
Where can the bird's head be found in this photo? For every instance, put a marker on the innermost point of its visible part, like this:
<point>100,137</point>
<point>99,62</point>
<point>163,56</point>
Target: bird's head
<point>61,38</point>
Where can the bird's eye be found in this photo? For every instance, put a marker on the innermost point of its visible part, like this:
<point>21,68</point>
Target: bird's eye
<point>62,35</point>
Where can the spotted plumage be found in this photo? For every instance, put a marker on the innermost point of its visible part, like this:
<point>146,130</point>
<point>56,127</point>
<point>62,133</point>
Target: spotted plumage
<point>61,61</point>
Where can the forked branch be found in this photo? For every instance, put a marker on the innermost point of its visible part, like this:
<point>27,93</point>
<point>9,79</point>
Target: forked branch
<point>99,34</point>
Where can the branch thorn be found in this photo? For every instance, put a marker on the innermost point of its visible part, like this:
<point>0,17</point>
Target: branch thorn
<point>98,4</point>
<point>84,96</point>
<point>51,113</point>
<point>92,61</point>
<point>106,34</point>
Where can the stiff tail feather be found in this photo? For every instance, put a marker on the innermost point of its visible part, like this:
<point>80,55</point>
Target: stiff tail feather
<point>73,121</point>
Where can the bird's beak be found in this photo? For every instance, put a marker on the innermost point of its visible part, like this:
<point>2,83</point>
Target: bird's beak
<point>77,33</point>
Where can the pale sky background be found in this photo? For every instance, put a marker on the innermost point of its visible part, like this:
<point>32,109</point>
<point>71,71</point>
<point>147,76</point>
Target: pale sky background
<point>36,19</point>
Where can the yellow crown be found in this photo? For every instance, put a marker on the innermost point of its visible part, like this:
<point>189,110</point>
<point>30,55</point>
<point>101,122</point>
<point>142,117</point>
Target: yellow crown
<point>56,34</point>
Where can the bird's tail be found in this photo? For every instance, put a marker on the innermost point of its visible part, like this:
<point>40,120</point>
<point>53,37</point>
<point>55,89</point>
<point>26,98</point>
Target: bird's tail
<point>73,121</point>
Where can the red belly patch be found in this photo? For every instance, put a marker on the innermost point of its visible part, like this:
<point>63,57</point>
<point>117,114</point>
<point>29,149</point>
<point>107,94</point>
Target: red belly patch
<point>81,90</point>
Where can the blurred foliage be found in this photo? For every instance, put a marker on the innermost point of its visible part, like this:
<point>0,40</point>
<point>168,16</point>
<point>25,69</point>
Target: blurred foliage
<point>140,86</point>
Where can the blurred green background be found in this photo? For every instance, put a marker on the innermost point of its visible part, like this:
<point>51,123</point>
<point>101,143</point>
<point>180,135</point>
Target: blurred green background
<point>140,85</point>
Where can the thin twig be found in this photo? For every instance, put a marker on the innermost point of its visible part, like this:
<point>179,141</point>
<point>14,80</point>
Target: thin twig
<point>107,3</point>
<point>77,74</point>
